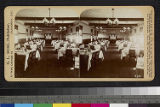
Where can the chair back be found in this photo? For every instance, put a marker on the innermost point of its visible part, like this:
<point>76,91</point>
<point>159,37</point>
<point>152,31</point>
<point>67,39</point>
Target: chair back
<point>132,53</point>
<point>69,53</point>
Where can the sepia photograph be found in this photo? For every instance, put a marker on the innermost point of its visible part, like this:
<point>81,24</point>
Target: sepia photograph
<point>87,43</point>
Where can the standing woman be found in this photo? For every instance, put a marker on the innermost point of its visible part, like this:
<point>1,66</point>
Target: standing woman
<point>140,65</point>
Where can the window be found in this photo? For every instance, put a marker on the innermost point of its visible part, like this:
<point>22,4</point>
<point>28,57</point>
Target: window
<point>134,30</point>
<point>91,31</point>
<point>77,29</point>
<point>141,29</point>
<point>81,27</point>
<point>16,27</point>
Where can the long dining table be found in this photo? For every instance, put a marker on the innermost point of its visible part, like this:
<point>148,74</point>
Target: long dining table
<point>22,57</point>
<point>86,59</point>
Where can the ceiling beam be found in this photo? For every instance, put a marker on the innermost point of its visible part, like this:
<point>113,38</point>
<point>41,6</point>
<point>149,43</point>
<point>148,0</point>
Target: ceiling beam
<point>113,26</point>
<point>41,18</point>
<point>49,25</point>
<point>77,18</point>
<point>120,19</point>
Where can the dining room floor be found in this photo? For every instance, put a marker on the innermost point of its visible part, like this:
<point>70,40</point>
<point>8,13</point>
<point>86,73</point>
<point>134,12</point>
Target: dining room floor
<point>49,67</point>
<point>112,66</point>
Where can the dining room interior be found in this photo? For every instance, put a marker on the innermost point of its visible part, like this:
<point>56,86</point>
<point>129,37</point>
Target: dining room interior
<point>60,43</point>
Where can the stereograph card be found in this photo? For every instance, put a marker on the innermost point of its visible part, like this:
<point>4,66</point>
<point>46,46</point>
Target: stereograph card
<point>79,43</point>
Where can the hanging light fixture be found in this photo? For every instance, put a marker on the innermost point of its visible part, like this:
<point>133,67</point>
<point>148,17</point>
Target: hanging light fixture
<point>114,22</point>
<point>49,20</point>
<point>53,20</point>
<point>62,28</point>
<point>109,21</point>
<point>58,30</point>
<point>32,27</point>
<point>128,28</point>
<point>35,27</point>
<point>124,29</point>
<point>99,28</point>
<point>45,20</point>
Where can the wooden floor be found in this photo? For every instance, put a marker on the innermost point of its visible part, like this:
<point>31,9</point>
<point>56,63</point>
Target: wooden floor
<point>49,67</point>
<point>111,67</point>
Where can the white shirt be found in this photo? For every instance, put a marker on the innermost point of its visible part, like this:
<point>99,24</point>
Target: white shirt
<point>140,63</point>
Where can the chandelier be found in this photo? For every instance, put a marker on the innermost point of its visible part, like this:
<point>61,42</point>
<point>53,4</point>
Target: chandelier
<point>109,21</point>
<point>124,29</point>
<point>114,20</point>
<point>61,28</point>
<point>50,20</point>
<point>34,27</point>
<point>99,27</point>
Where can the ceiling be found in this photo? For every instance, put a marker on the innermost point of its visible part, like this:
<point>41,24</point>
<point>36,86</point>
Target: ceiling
<point>95,12</point>
<point>118,13</point>
<point>44,12</point>
<point>129,16</point>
